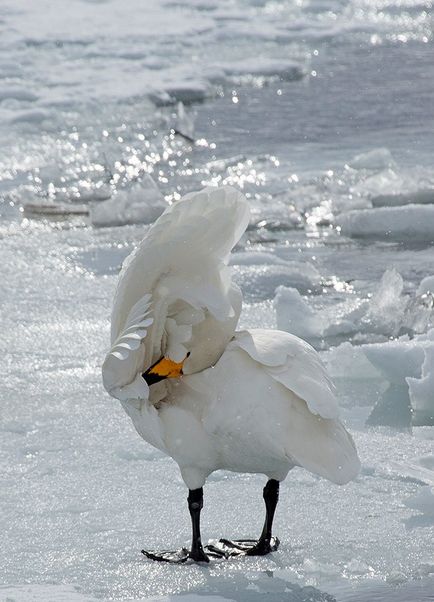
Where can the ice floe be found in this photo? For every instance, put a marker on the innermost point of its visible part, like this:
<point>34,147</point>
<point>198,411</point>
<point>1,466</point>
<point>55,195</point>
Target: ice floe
<point>388,312</point>
<point>285,70</point>
<point>416,197</point>
<point>408,366</point>
<point>410,222</point>
<point>142,203</point>
<point>185,91</point>
<point>378,158</point>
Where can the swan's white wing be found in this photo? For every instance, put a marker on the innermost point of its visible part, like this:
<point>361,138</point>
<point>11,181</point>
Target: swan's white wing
<point>295,364</point>
<point>175,292</point>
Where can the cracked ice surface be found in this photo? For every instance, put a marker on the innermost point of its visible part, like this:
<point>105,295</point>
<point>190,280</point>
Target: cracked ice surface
<point>81,493</point>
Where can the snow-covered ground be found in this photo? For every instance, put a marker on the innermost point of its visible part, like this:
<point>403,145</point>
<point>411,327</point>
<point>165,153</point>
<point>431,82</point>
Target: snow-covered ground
<point>321,113</point>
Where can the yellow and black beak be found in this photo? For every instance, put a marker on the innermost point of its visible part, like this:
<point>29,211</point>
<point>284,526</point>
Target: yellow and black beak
<point>163,368</point>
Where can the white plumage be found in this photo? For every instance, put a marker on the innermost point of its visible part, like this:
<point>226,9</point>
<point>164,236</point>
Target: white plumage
<point>252,401</point>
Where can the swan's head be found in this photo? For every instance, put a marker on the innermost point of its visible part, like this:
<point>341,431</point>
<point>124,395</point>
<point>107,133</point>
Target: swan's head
<point>163,368</point>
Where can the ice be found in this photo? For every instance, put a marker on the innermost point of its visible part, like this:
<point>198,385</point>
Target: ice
<point>408,365</point>
<point>185,91</point>
<point>17,93</point>
<point>262,67</point>
<point>410,222</point>
<point>423,502</point>
<point>81,493</point>
<point>42,593</point>
<point>378,158</point>
<point>417,197</point>
<point>141,203</point>
<point>426,286</point>
<point>421,390</point>
<point>255,258</point>
<point>260,281</point>
<point>387,306</point>
<point>295,315</point>
<point>388,312</point>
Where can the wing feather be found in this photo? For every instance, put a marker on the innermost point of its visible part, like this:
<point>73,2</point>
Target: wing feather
<point>175,291</point>
<point>293,363</point>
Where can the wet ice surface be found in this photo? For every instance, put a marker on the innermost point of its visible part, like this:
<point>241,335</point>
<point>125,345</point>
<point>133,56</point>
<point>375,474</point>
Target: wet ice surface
<point>327,131</point>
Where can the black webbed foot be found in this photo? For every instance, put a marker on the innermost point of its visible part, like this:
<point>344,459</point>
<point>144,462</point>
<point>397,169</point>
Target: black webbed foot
<point>177,557</point>
<point>225,548</point>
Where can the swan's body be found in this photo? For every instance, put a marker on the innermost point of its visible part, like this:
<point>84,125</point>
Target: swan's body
<point>253,401</point>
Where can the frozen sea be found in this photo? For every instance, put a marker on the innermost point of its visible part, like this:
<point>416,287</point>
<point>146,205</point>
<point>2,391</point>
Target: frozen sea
<point>321,111</point>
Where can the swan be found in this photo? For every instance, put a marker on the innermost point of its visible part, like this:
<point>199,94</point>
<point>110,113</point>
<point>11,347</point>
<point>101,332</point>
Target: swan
<point>211,397</point>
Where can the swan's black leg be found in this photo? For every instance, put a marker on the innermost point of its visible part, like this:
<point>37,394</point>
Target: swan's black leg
<point>271,497</point>
<point>251,547</point>
<point>195,504</point>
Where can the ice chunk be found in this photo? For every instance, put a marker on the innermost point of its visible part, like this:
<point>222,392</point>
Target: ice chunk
<point>185,91</point>
<point>421,390</point>
<point>295,315</point>
<point>140,204</point>
<point>426,286</point>
<point>378,158</point>
<point>418,197</point>
<point>387,307</point>
<point>54,210</point>
<point>387,313</point>
<point>255,258</point>
<point>408,365</point>
<point>263,67</point>
<point>410,222</point>
<point>396,360</point>
<point>392,409</point>
<point>347,361</point>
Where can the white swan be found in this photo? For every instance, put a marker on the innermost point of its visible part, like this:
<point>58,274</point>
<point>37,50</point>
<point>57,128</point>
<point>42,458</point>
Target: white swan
<point>256,401</point>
